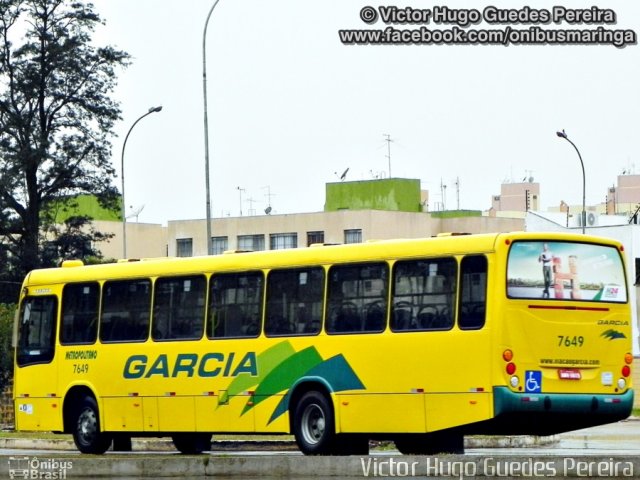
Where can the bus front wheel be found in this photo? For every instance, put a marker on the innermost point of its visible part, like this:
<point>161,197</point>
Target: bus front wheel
<point>192,443</point>
<point>86,432</point>
<point>314,425</point>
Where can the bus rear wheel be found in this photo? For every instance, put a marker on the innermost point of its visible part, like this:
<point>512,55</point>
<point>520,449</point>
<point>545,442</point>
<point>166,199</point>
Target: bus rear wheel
<point>192,443</point>
<point>86,430</point>
<point>430,443</point>
<point>314,424</point>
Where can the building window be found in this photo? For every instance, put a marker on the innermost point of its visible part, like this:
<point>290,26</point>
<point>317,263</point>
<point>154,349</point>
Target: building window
<point>353,236</point>
<point>278,241</point>
<point>220,245</point>
<point>254,243</point>
<point>184,247</point>
<point>315,237</point>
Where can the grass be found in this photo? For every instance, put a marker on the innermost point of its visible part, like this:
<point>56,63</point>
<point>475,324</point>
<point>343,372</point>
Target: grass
<point>635,412</point>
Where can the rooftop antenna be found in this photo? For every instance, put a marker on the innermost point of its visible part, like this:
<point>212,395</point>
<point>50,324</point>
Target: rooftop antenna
<point>240,189</point>
<point>388,139</point>
<point>269,195</point>
<point>251,201</point>
<point>458,192</point>
<point>343,176</point>
<point>443,192</point>
<point>528,177</point>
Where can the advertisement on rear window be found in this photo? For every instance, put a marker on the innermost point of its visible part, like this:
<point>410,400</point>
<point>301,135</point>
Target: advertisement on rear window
<point>565,271</point>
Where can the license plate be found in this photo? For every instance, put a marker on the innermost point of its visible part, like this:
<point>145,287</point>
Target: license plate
<point>569,374</point>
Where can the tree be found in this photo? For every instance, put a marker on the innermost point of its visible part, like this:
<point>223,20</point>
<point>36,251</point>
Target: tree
<point>72,239</point>
<point>6,351</point>
<point>56,119</point>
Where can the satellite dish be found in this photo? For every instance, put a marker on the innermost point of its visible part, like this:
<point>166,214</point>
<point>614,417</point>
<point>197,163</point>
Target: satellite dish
<point>267,210</point>
<point>344,174</point>
<point>530,179</point>
<point>135,211</point>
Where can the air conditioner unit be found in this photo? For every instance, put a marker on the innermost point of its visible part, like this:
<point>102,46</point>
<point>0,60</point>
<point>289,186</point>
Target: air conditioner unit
<point>592,219</point>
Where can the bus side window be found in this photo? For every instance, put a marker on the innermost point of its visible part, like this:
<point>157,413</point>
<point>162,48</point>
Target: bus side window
<point>357,298</point>
<point>79,313</point>
<point>423,294</point>
<point>294,301</point>
<point>126,309</point>
<point>473,295</point>
<point>178,308</point>
<point>235,305</point>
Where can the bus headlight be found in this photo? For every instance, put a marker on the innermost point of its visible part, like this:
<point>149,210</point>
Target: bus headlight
<point>622,383</point>
<point>514,381</point>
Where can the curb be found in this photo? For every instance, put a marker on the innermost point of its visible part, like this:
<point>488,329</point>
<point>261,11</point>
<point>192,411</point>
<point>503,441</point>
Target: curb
<point>164,445</point>
<point>298,466</point>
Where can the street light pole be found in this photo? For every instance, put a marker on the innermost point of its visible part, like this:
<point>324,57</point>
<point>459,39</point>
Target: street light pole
<point>206,128</point>
<point>124,213</point>
<point>562,134</point>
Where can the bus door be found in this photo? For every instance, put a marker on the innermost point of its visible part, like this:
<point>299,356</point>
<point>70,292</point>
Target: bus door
<point>459,386</point>
<point>38,404</point>
<point>438,317</point>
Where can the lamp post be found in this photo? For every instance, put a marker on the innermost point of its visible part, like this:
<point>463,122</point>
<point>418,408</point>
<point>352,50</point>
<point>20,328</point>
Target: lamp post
<point>124,214</point>
<point>206,128</point>
<point>562,134</point>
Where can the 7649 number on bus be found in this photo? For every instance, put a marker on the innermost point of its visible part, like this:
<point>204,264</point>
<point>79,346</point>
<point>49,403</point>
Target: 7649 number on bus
<point>570,341</point>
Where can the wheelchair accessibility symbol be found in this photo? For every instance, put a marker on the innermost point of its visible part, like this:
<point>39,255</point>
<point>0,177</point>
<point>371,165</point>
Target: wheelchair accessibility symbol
<point>533,381</point>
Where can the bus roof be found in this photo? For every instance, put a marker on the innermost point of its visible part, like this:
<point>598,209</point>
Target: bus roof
<point>320,255</point>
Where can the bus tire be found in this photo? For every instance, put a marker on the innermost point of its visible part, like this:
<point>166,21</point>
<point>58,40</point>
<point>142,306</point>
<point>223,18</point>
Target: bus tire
<point>192,443</point>
<point>314,424</point>
<point>430,443</point>
<point>86,429</point>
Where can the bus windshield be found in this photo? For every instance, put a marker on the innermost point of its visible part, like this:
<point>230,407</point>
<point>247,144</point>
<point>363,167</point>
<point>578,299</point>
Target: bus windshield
<point>565,271</point>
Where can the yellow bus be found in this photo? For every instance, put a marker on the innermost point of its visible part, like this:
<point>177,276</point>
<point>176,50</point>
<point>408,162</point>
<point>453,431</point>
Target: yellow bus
<point>418,341</point>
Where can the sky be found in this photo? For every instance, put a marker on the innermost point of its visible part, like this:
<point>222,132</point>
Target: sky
<point>290,107</point>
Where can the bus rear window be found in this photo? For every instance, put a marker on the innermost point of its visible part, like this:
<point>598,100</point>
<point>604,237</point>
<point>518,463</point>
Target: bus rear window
<point>565,271</point>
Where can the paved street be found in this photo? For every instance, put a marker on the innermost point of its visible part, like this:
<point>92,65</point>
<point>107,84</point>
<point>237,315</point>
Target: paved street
<point>605,451</point>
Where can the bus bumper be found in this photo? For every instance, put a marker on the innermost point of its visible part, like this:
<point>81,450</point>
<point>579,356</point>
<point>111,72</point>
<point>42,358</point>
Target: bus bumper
<point>551,413</point>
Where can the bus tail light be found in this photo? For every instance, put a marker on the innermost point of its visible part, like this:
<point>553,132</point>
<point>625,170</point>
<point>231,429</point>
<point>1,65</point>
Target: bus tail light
<point>507,356</point>
<point>622,384</point>
<point>514,381</point>
<point>626,371</point>
<point>628,359</point>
